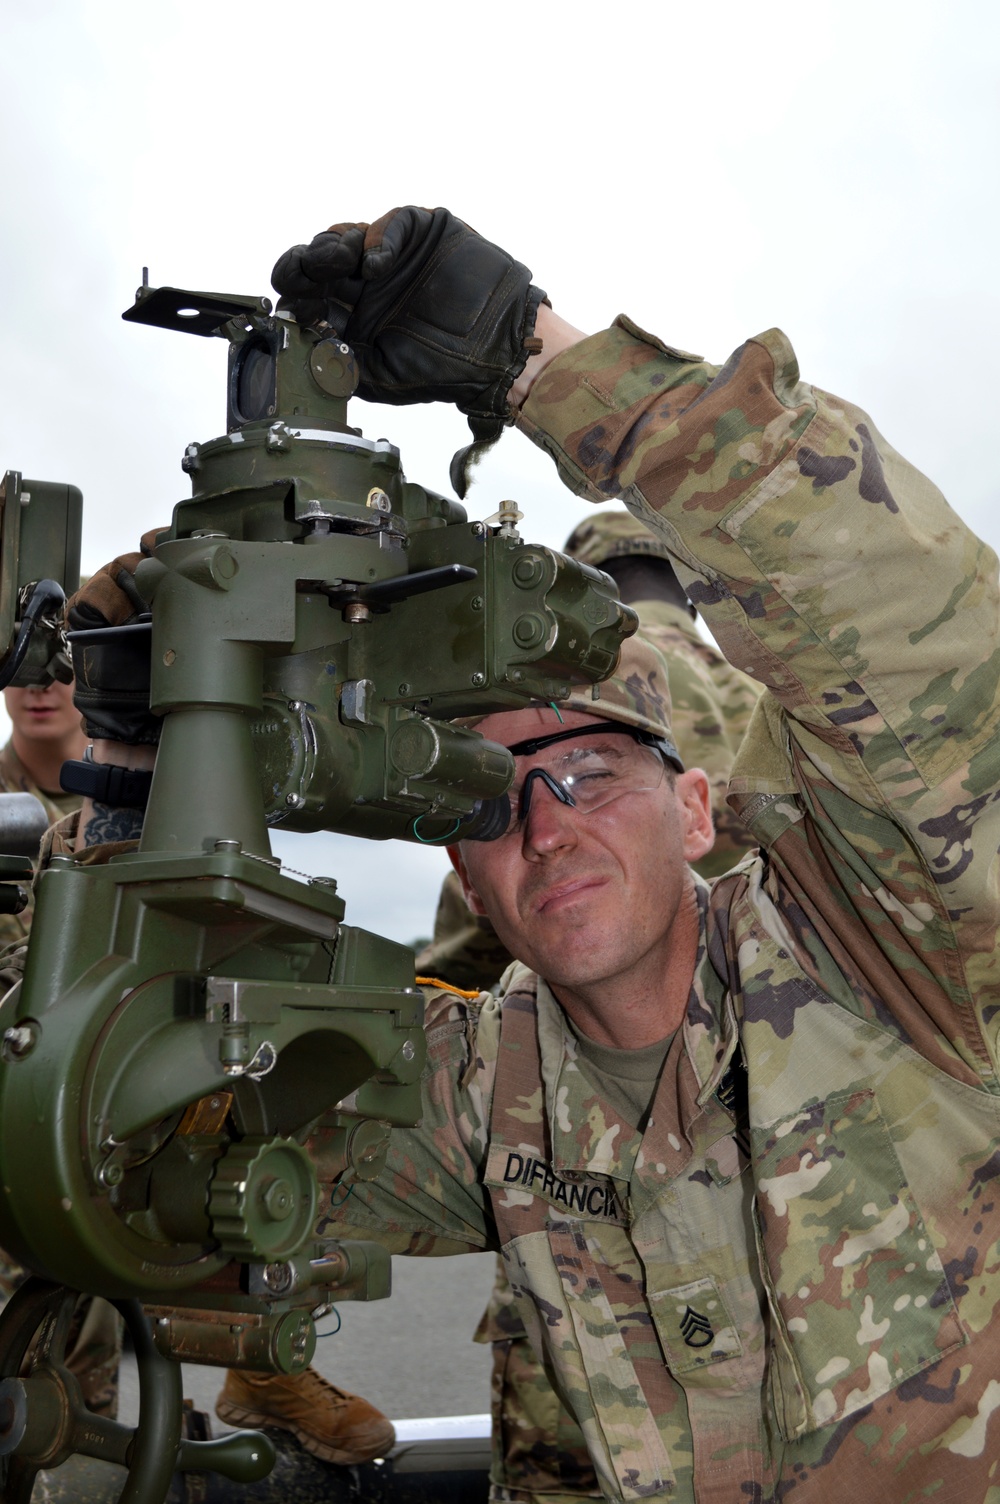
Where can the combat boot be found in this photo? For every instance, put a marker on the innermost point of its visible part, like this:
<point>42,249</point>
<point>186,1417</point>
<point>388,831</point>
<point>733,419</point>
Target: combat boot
<point>327,1421</point>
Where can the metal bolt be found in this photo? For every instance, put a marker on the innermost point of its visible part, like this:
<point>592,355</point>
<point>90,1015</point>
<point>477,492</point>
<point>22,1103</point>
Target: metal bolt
<point>294,801</point>
<point>478,679</point>
<point>528,630</point>
<point>527,571</point>
<point>404,689</point>
<point>295,706</point>
<point>409,1049</point>
<point>112,1174</point>
<point>227,844</point>
<point>163,1320</point>
<point>278,1277</point>
<point>317,528</point>
<point>356,612</point>
<point>19,1040</point>
<point>378,500</point>
<point>169,657</point>
<point>278,1200</point>
<point>477,603</point>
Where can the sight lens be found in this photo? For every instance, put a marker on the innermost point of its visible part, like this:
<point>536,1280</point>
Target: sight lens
<point>255,382</point>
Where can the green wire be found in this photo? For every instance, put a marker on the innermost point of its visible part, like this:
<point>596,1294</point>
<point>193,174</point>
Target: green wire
<point>332,1312</point>
<point>555,707</point>
<point>432,840</point>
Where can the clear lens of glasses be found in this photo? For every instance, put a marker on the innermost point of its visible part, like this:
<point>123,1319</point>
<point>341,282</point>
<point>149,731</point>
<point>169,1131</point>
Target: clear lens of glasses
<point>588,774</point>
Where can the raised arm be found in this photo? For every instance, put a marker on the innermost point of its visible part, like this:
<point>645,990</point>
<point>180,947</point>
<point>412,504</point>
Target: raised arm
<point>836,574</point>
<point>828,568</point>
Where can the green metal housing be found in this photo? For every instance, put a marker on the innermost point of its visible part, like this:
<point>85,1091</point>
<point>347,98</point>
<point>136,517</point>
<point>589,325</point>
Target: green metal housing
<point>190,1015</point>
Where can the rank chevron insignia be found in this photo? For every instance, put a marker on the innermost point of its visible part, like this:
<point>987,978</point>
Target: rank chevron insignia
<point>696,1329</point>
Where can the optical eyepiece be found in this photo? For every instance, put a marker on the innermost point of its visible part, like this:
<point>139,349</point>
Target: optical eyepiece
<point>489,821</point>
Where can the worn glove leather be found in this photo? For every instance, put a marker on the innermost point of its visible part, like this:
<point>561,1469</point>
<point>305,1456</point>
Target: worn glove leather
<point>433,312</point>
<point>112,678</point>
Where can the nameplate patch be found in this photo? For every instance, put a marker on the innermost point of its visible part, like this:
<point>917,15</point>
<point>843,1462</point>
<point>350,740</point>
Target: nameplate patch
<point>521,1174</point>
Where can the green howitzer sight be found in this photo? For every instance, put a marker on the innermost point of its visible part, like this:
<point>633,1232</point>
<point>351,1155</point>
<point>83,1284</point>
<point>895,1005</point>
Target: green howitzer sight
<point>199,1041</point>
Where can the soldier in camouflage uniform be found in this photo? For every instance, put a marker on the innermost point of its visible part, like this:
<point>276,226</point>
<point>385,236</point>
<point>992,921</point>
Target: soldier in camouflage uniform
<point>778,1278</point>
<point>46,732</point>
<point>538,1450</point>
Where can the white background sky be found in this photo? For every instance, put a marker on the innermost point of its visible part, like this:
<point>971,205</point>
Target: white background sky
<point>712,170</point>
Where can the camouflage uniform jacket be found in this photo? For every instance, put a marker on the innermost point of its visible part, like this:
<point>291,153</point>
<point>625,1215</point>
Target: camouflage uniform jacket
<point>710,707</point>
<point>788,1285</point>
<point>15,779</point>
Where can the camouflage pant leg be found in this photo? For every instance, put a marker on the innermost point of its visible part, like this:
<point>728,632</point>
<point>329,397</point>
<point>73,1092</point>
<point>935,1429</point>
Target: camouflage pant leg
<point>94,1346</point>
<point>93,1353</point>
<point>538,1450</point>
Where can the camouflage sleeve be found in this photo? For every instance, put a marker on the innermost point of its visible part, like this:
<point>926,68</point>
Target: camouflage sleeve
<point>710,708</point>
<point>833,572</point>
<point>429,1198</point>
<point>14,928</point>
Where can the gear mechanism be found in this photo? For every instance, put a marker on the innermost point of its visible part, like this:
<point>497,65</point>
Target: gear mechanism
<point>262,1200</point>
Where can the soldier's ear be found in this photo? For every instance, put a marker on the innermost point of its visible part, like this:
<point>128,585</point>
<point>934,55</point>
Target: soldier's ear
<point>694,799</point>
<point>472,898</point>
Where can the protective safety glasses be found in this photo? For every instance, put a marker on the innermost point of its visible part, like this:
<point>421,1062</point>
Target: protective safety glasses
<point>589,767</point>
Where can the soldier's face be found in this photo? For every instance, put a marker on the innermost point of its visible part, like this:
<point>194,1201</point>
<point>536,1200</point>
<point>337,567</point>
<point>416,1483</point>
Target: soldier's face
<point>585,897</point>
<point>43,713</point>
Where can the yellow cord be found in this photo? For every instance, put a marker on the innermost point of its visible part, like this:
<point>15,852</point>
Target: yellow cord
<point>444,986</point>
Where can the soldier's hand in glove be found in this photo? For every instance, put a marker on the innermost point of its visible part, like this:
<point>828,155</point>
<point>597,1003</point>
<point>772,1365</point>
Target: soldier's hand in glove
<point>112,676</point>
<point>433,312</point>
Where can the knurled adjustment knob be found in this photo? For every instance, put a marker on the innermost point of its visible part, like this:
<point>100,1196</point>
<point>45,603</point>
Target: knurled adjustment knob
<point>262,1200</point>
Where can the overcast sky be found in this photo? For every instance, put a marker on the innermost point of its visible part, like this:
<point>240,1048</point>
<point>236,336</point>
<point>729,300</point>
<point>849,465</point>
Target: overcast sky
<point>711,170</point>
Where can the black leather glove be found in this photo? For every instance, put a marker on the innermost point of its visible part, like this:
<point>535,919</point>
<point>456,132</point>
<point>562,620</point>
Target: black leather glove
<point>433,312</point>
<point>112,671</point>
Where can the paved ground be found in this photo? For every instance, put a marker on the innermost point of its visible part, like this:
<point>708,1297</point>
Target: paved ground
<point>411,1355</point>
